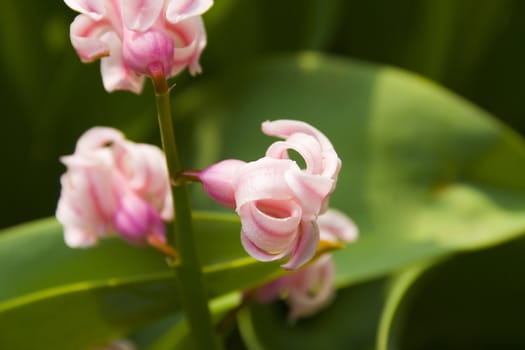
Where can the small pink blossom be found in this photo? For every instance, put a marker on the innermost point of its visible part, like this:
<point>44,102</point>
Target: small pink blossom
<point>277,201</point>
<point>112,184</point>
<point>137,38</point>
<point>311,288</point>
<point>306,291</point>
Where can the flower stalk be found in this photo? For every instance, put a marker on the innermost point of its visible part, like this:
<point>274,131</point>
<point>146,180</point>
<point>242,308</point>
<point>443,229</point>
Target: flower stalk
<point>188,269</point>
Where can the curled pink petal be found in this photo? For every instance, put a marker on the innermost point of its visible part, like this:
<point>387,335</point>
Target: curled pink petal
<point>310,190</point>
<point>285,128</point>
<point>217,181</point>
<point>306,246</point>
<point>80,238</point>
<point>179,10</point>
<point>270,225</point>
<point>263,179</point>
<point>139,15</point>
<point>260,254</point>
<point>190,41</point>
<point>311,289</point>
<point>336,226</point>
<point>85,36</point>
<point>93,8</point>
<point>115,74</point>
<point>306,145</point>
<point>98,137</point>
<point>306,291</point>
<point>288,128</point>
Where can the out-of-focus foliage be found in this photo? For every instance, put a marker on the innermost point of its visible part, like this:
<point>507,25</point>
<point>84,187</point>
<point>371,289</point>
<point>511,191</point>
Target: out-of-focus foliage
<point>426,175</point>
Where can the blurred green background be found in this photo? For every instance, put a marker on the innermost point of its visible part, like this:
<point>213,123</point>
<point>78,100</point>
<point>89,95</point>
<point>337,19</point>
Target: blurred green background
<point>48,98</point>
<point>425,204</point>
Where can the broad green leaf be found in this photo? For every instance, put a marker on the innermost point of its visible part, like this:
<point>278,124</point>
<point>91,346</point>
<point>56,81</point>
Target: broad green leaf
<point>424,174</point>
<point>110,290</point>
<point>398,286</point>
<point>350,322</point>
<point>173,333</point>
<point>474,301</point>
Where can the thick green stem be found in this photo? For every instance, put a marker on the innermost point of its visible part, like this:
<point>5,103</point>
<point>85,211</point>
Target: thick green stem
<point>188,269</point>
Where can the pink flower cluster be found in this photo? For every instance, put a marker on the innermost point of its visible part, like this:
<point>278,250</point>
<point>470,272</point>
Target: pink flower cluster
<point>312,288</point>
<point>277,201</point>
<point>113,184</point>
<point>137,38</point>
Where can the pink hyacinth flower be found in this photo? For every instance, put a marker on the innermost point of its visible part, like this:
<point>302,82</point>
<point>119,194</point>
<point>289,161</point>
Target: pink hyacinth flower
<point>137,38</point>
<point>113,185</point>
<point>312,288</point>
<point>277,201</point>
<point>306,291</point>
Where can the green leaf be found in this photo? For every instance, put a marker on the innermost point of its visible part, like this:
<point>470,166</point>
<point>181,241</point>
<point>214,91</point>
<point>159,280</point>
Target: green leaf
<point>424,173</point>
<point>348,323</point>
<point>474,300</point>
<point>97,294</point>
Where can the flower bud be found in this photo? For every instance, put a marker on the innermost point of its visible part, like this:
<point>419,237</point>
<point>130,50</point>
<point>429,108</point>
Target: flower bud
<point>146,52</point>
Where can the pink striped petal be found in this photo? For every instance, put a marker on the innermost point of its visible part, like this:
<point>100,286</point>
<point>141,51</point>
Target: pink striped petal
<point>76,237</point>
<point>115,74</point>
<point>260,254</point>
<point>190,41</point>
<point>263,179</point>
<point>98,137</point>
<point>85,36</point>
<point>306,246</point>
<point>336,226</point>
<point>139,15</point>
<point>271,225</point>
<point>306,145</point>
<point>311,289</point>
<point>287,128</point>
<point>310,190</point>
<point>93,8</point>
<point>179,10</point>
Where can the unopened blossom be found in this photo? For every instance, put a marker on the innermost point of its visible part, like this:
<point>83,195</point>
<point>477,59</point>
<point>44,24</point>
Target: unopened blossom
<point>138,38</point>
<point>113,185</point>
<point>311,288</point>
<point>277,201</point>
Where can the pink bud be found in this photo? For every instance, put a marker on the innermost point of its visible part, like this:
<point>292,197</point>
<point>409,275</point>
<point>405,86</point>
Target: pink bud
<point>146,52</point>
<point>135,219</point>
<point>217,181</point>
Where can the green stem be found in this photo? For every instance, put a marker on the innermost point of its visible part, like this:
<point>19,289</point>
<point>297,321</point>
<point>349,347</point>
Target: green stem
<point>188,269</point>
